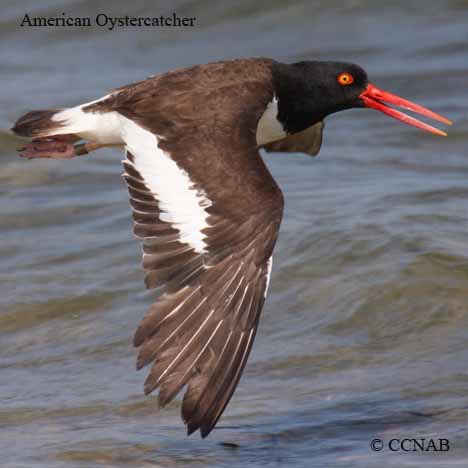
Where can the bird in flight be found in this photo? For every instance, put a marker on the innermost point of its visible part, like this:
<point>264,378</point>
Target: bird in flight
<point>205,206</point>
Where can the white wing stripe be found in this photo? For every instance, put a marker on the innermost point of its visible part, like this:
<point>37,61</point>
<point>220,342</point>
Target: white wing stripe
<point>180,203</point>
<point>268,275</point>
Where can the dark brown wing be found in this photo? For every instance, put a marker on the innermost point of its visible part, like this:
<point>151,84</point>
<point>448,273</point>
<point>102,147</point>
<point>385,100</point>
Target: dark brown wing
<point>308,141</point>
<point>201,329</point>
<point>215,264</point>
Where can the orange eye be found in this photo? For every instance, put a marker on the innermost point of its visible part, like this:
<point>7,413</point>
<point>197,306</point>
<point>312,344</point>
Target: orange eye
<point>345,79</point>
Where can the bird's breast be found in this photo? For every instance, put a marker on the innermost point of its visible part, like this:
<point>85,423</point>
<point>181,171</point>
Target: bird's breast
<point>269,128</point>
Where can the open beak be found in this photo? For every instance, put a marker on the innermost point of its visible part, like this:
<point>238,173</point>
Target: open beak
<point>374,98</point>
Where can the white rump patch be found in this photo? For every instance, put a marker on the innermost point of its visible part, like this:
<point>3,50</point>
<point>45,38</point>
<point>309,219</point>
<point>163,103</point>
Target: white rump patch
<point>181,203</point>
<point>269,128</point>
<point>268,274</point>
<point>99,127</point>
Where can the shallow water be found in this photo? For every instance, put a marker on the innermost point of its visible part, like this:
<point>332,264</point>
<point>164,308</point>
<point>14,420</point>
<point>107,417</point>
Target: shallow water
<point>365,331</point>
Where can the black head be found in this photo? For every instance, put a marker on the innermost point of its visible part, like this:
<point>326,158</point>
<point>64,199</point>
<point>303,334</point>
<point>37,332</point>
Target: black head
<point>309,91</point>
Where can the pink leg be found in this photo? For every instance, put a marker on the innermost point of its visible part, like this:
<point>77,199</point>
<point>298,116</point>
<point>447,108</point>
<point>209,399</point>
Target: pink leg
<point>60,147</point>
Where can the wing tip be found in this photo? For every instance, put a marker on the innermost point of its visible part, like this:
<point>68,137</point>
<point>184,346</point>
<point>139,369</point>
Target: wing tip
<point>205,431</point>
<point>138,338</point>
<point>139,364</point>
<point>148,388</point>
<point>193,427</point>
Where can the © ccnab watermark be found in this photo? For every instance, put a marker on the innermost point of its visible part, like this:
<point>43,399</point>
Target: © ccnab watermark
<point>410,445</point>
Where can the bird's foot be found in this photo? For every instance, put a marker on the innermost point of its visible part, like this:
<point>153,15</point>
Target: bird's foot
<point>60,147</point>
<point>53,148</point>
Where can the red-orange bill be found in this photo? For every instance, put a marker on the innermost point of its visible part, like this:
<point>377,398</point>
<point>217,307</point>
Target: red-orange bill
<point>374,98</point>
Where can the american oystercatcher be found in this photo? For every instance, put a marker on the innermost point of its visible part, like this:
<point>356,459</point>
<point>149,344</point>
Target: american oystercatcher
<point>204,204</point>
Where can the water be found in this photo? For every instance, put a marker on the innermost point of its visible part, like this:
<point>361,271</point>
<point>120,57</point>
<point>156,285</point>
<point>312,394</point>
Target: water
<point>365,331</point>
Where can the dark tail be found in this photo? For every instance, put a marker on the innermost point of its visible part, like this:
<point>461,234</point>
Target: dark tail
<point>37,124</point>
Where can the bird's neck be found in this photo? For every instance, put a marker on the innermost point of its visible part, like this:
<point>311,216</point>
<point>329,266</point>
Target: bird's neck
<point>299,102</point>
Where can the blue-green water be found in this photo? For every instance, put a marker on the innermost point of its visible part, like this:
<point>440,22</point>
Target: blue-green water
<point>365,331</point>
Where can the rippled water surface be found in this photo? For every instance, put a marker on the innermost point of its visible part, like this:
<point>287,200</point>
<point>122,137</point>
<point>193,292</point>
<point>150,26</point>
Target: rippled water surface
<point>365,331</point>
